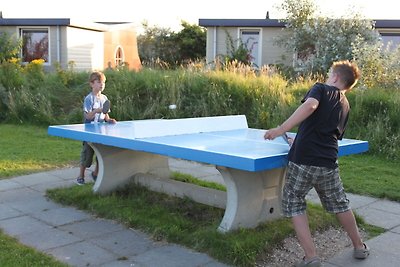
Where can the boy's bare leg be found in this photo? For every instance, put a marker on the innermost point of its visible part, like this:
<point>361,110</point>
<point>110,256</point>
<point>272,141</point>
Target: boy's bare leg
<point>96,168</point>
<point>82,171</point>
<point>300,223</point>
<point>349,224</point>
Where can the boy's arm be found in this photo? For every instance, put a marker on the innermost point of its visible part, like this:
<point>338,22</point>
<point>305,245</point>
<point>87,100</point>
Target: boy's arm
<point>90,115</point>
<point>301,113</point>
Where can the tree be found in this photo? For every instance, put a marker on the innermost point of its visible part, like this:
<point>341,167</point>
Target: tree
<point>157,43</point>
<point>318,41</point>
<point>191,41</point>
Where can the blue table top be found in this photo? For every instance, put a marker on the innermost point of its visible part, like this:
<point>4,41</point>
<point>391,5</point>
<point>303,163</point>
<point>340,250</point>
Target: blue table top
<point>243,149</point>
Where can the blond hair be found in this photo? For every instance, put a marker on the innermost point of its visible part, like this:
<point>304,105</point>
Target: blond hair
<point>348,72</point>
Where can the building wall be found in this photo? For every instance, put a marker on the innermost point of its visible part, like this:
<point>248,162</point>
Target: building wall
<point>53,40</point>
<point>125,39</point>
<point>217,42</point>
<point>56,44</point>
<point>85,49</point>
<point>11,30</point>
<point>270,53</point>
<point>390,35</point>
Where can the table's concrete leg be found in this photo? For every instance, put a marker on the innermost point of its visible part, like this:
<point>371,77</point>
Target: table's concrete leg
<point>252,197</point>
<point>117,166</point>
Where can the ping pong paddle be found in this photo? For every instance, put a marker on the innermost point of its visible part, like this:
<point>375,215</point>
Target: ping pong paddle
<point>106,106</point>
<point>286,138</point>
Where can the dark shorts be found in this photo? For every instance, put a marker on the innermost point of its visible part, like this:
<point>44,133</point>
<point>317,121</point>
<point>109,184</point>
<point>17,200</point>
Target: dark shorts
<point>300,179</point>
<point>87,154</point>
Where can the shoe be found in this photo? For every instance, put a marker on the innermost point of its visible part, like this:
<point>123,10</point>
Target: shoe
<point>94,177</point>
<point>80,181</point>
<point>313,262</point>
<point>361,253</point>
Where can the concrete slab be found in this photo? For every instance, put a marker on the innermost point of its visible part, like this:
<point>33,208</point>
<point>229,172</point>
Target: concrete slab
<point>386,205</point>
<point>8,184</point>
<point>82,254</point>
<point>379,218</point>
<point>18,194</point>
<point>61,216</point>
<point>124,243</point>
<point>92,228</point>
<point>48,239</point>
<point>22,225</point>
<point>396,230</point>
<point>66,173</point>
<point>36,178</point>
<point>7,212</point>
<point>36,204</point>
<point>172,256</point>
<point>123,263</point>
<point>357,201</point>
<point>387,242</point>
<point>374,260</point>
<point>59,184</point>
<point>215,264</point>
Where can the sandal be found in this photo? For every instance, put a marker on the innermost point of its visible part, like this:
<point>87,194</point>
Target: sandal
<point>361,253</point>
<point>313,262</point>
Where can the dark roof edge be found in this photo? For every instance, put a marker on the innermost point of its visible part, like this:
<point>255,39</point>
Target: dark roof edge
<point>387,23</point>
<point>35,22</point>
<point>379,23</point>
<point>241,23</point>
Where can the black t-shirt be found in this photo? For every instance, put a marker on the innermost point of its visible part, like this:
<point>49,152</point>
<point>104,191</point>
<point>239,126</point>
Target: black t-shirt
<point>316,143</point>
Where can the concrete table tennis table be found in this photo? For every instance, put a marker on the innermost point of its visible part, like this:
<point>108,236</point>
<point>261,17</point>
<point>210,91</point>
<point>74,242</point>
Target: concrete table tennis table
<point>253,169</point>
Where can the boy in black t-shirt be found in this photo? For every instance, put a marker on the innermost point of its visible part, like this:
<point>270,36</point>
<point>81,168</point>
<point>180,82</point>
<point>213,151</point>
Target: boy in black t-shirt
<point>322,119</point>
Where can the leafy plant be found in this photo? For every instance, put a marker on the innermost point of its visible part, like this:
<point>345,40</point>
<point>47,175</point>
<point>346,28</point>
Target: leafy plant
<point>318,41</point>
<point>237,51</point>
<point>9,47</point>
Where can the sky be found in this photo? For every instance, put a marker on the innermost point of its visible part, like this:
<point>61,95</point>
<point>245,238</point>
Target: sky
<point>170,13</point>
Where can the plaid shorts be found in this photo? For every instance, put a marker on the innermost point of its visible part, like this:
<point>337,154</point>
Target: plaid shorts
<point>87,154</point>
<point>300,179</point>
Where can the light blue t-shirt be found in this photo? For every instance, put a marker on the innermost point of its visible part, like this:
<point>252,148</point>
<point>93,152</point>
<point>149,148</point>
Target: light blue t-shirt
<point>92,102</point>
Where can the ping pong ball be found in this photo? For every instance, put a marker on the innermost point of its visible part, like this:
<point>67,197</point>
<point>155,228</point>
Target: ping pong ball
<point>172,106</point>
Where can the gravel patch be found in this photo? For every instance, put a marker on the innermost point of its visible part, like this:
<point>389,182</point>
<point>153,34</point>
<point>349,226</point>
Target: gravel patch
<point>328,243</point>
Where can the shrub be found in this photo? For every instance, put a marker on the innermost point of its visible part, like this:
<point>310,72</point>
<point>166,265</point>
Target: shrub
<point>380,64</point>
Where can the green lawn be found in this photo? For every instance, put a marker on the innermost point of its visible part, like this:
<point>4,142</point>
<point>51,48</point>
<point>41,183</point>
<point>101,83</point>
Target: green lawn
<point>370,175</point>
<point>26,149</point>
<point>13,254</point>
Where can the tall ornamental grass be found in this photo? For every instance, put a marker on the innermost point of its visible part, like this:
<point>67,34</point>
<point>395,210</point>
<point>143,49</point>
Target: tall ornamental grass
<point>28,95</point>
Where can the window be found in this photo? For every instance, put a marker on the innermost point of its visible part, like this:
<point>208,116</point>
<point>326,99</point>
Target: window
<point>393,39</point>
<point>35,44</point>
<point>119,57</point>
<point>251,38</point>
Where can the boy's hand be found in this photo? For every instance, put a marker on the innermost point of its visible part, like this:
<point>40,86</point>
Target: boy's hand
<point>271,134</point>
<point>112,121</point>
